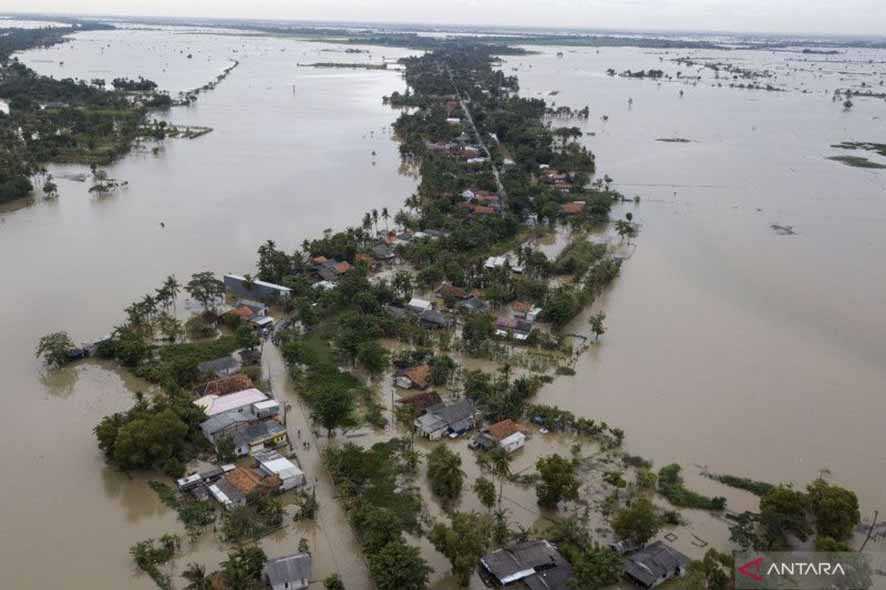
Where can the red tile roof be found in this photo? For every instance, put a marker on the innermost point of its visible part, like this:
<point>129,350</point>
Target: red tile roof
<point>342,267</point>
<point>573,208</point>
<point>226,385</point>
<point>420,375</point>
<point>421,401</point>
<point>248,480</point>
<point>501,430</point>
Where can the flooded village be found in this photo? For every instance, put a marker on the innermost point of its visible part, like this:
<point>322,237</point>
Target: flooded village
<point>403,400</point>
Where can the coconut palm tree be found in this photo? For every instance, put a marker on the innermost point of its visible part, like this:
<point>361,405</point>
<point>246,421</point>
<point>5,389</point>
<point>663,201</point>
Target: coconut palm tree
<point>500,463</point>
<point>195,574</point>
<point>375,220</point>
<point>385,215</point>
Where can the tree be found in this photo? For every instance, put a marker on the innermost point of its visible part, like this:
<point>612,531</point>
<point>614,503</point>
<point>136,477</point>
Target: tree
<point>225,449</point>
<point>714,572</point>
<point>597,326</point>
<point>444,471</point>
<point>205,288</point>
<point>402,284</point>
<point>55,348</point>
<point>398,566</point>
<point>593,566</point>
<point>332,407</point>
<point>558,481</point>
<point>835,510</point>
<point>247,338</point>
<point>625,229</point>
<point>333,582</point>
<point>373,357</point>
<point>463,543</point>
<point>637,523</point>
<point>500,463</point>
<point>385,215</point>
<point>485,491</point>
<point>195,574</point>
<point>782,512</point>
<point>243,568</point>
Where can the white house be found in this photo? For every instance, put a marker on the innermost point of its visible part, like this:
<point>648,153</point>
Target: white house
<point>273,463</point>
<point>291,572</point>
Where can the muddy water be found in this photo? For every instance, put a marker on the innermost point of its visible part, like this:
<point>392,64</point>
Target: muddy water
<point>291,155</point>
<point>728,345</point>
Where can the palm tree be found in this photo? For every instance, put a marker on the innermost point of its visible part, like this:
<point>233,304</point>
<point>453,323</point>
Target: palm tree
<point>375,220</point>
<point>500,462</point>
<point>385,215</point>
<point>195,574</point>
<point>367,221</point>
<point>168,293</point>
<point>402,284</point>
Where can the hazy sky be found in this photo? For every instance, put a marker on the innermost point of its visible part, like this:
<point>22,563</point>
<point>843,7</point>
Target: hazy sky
<point>813,16</point>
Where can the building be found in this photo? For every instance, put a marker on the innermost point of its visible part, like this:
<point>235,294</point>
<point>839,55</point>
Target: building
<point>513,328</point>
<point>252,437</point>
<point>573,208</point>
<point>434,320</point>
<point>533,565</point>
<point>240,402</point>
<point>421,401</point>
<point>506,434</point>
<point>255,289</point>
<point>655,564</point>
<point>383,252</point>
<point>246,480</point>
<point>273,463</point>
<point>418,306</point>
<point>226,494</point>
<point>418,377</point>
<point>291,572</point>
<point>451,292</point>
<point>220,367</point>
<point>446,420</point>
<point>473,305</point>
<point>225,385</point>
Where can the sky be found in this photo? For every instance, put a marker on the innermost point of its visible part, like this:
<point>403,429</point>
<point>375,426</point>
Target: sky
<point>844,17</point>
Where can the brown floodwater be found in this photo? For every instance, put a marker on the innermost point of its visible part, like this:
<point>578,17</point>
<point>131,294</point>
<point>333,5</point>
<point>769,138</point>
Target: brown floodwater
<point>291,155</point>
<point>728,346</point>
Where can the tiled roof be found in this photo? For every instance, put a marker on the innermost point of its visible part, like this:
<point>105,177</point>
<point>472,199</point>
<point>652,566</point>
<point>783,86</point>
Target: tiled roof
<point>421,401</point>
<point>419,375</point>
<point>226,385</point>
<point>501,430</point>
<point>247,480</point>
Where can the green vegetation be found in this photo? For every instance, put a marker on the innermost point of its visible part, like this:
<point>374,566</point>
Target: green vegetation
<point>260,515</point>
<point>637,523</point>
<point>56,349</point>
<point>485,491</point>
<point>371,484</point>
<point>150,555</point>
<point>444,472</point>
<point>558,481</point>
<point>160,434</point>
<point>670,485</point>
<point>594,566</point>
<point>463,542</point>
<point>758,488</point>
<point>196,515</point>
<point>858,162</point>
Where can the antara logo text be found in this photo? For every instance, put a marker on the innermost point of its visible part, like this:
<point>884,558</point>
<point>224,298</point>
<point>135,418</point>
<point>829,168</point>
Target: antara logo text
<point>753,569</point>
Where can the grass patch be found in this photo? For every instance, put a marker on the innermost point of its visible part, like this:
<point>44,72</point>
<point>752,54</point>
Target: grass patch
<point>758,488</point>
<point>670,485</point>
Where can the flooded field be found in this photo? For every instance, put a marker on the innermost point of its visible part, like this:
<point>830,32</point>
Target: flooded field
<point>290,155</point>
<point>728,345</point>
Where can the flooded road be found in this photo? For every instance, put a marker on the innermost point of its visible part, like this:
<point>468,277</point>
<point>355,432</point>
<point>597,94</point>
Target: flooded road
<point>729,345</point>
<point>291,155</point>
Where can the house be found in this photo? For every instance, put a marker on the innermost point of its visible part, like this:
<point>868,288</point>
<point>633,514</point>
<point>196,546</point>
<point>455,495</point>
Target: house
<point>494,262</point>
<point>654,564</point>
<point>417,306</point>
<point>383,252</point>
<point>532,565</point>
<point>291,572</point>
<point>573,208</point>
<point>434,319</point>
<point>255,289</point>
<point>506,434</point>
<point>252,437</point>
<point>473,305</point>
<point>247,481</point>
<point>446,420</point>
<point>398,313</point>
<point>451,292</point>
<point>205,477</point>
<point>484,210</point>
<point>520,309</point>
<point>220,367</point>
<point>262,322</point>
<point>513,328</point>
<point>225,385</point>
<point>273,463</point>
<point>240,402</point>
<point>418,377</point>
<point>330,270</point>
<point>226,494</point>
<point>421,401</point>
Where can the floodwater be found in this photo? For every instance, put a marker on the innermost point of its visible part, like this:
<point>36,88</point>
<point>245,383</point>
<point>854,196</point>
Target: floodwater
<point>730,346</point>
<point>291,155</point>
